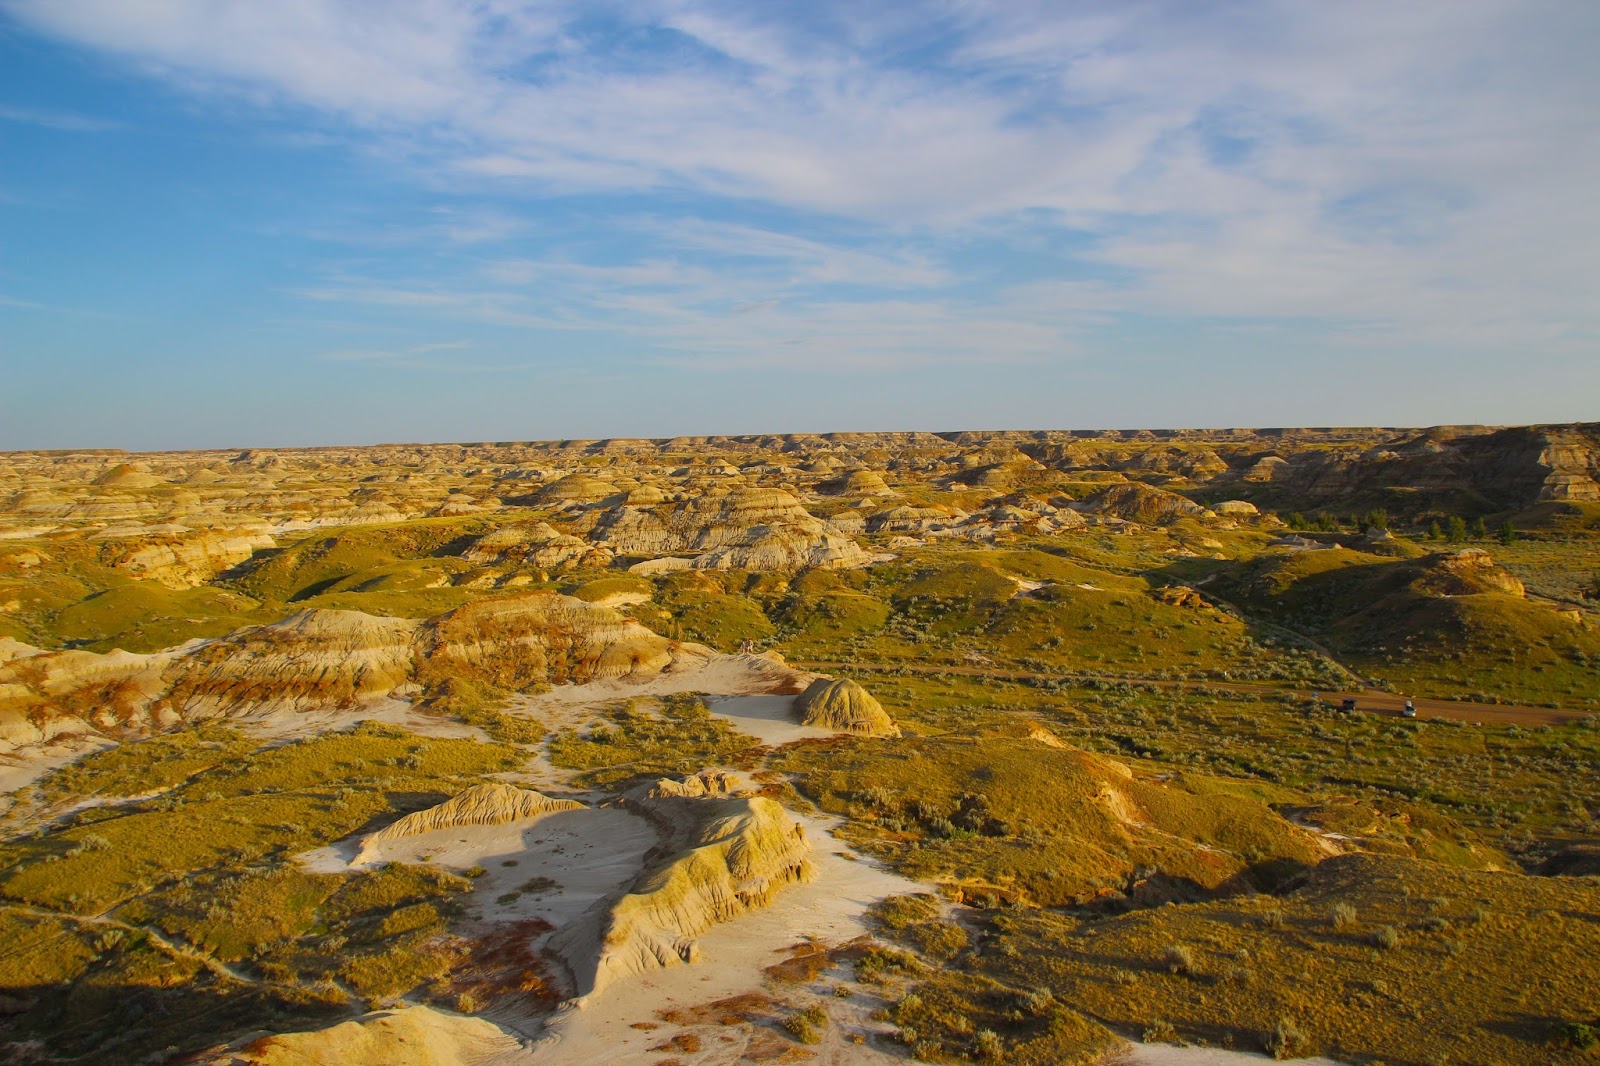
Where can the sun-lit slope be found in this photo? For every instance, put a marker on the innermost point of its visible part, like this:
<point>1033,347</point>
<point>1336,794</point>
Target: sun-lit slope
<point>721,856</point>
<point>1367,958</point>
<point>1035,820</point>
<point>1445,623</point>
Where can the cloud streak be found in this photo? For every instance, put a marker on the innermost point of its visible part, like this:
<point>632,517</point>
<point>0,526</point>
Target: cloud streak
<point>1418,171</point>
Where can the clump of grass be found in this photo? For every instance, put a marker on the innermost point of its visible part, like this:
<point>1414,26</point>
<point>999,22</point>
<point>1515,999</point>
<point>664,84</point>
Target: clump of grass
<point>878,963</point>
<point>808,1026</point>
<point>897,912</point>
<point>1160,1031</point>
<point>1287,1041</point>
<point>1178,958</point>
<point>938,940</point>
<point>1342,916</point>
<point>1386,937</point>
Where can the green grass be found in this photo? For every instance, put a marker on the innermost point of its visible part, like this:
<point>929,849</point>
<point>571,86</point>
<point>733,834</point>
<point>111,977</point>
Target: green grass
<point>639,743</point>
<point>152,765</point>
<point>1484,968</point>
<point>272,803</point>
<point>1000,818</point>
<point>1409,623</point>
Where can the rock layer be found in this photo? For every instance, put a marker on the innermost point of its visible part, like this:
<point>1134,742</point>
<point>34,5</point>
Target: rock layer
<point>492,803</point>
<point>843,706</point>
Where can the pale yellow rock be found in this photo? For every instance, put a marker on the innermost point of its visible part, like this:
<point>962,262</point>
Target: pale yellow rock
<point>491,803</point>
<point>844,706</point>
<point>738,855</point>
<point>408,1036</point>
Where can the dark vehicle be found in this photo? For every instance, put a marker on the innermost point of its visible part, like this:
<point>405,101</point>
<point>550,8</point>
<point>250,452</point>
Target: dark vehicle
<point>1409,711</point>
<point>1347,704</point>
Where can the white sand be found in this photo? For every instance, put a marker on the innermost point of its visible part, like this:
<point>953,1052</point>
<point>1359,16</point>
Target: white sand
<point>769,719</point>
<point>588,853</point>
<point>283,726</point>
<point>25,765</point>
<point>732,955</point>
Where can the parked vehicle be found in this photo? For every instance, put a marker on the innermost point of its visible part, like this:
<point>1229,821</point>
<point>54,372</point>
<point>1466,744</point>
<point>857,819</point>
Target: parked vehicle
<point>1409,711</point>
<point>1347,704</point>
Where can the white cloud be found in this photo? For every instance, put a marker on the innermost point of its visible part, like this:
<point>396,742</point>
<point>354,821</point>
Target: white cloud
<point>50,118</point>
<point>1422,167</point>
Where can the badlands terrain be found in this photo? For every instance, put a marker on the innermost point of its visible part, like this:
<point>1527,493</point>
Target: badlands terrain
<point>1023,747</point>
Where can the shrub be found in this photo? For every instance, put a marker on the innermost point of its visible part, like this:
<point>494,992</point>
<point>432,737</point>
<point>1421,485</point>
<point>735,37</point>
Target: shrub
<point>1160,1031</point>
<point>1387,937</point>
<point>990,1048</point>
<point>1178,958</point>
<point>1342,916</point>
<point>1286,1041</point>
<point>809,1025</point>
<point>1580,1035</point>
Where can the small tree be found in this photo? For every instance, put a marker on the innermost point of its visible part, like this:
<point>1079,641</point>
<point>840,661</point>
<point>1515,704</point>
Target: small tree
<point>1434,532</point>
<point>1508,534</point>
<point>1377,518</point>
<point>1480,528</point>
<point>1455,530</point>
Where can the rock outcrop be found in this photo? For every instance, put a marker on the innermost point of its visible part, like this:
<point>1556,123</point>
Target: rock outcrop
<point>1465,572</point>
<point>491,803</point>
<point>182,558</point>
<point>1134,502</point>
<point>405,1036</point>
<point>742,529</point>
<point>325,659</point>
<point>725,856</point>
<point>845,707</point>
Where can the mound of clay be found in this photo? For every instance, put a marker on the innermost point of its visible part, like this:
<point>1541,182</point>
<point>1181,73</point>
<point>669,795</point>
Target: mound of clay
<point>325,659</point>
<point>704,783</point>
<point>741,529</point>
<point>844,706</point>
<point>541,636</point>
<point>737,855</point>
<point>491,803</point>
<point>184,558</point>
<point>535,544</point>
<point>409,1036</point>
<point>317,658</point>
<point>575,487</point>
<point>1135,502</point>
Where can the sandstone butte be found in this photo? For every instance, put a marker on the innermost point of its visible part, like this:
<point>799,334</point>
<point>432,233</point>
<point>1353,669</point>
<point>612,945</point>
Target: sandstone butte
<point>844,706</point>
<point>722,856</point>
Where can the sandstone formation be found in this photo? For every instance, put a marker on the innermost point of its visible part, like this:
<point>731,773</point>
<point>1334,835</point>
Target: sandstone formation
<point>1144,504</point>
<point>744,529</point>
<point>491,803</point>
<point>405,1036</point>
<point>330,659</point>
<point>722,857</point>
<point>845,707</point>
<point>181,558</point>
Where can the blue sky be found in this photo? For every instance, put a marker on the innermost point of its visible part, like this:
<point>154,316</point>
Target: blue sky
<point>228,223</point>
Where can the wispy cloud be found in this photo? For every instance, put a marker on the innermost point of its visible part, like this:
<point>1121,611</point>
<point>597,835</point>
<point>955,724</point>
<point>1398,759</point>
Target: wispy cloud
<point>414,356</point>
<point>57,120</point>
<point>1423,170</point>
